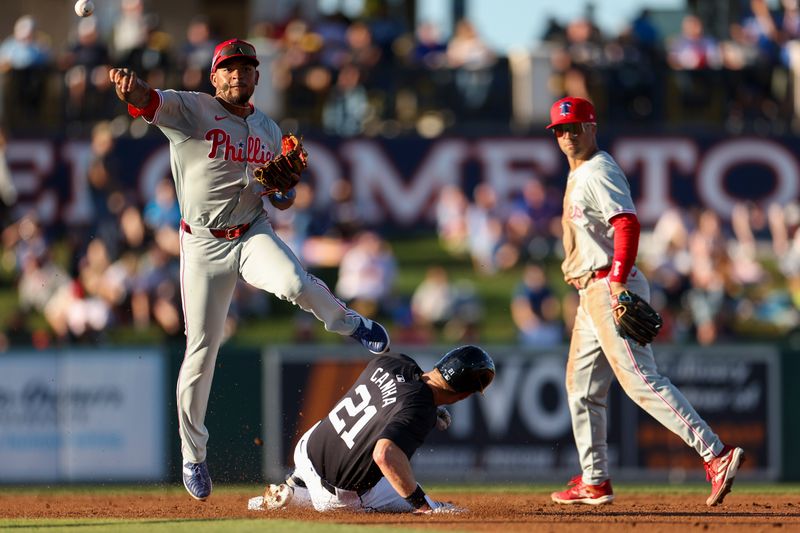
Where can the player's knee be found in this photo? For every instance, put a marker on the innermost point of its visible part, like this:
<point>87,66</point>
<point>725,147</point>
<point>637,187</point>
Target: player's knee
<point>295,288</point>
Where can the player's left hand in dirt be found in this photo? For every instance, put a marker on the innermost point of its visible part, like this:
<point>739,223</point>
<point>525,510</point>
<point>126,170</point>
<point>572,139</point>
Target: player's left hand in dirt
<point>281,173</point>
<point>440,508</point>
<point>635,318</point>
<point>443,418</point>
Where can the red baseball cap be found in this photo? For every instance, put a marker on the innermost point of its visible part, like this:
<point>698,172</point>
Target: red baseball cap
<point>233,48</point>
<point>570,110</point>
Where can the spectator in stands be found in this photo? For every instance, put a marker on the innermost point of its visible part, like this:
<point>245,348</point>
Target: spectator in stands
<point>451,219</point>
<point>162,216</point>
<point>367,274</point>
<point>535,217</point>
<point>667,263</point>
<point>645,33</point>
<point>85,66</point>
<point>695,59</point>
<point>152,59</point>
<point>39,279</point>
<point>709,273</point>
<point>106,195</point>
<point>472,60</point>
<point>8,191</point>
<point>155,295</point>
<point>195,55</point>
<point>535,310</point>
<point>784,222</point>
<point>331,30</point>
<point>484,229</point>
<point>24,60</point>
<point>433,301</point>
<point>693,49</point>
<point>23,239</point>
<point>750,226</point>
<point>163,209</point>
<point>347,107</point>
<point>130,30</point>
<point>430,50</point>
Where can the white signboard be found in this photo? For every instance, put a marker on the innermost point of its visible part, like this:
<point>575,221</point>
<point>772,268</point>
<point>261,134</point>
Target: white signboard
<point>82,416</point>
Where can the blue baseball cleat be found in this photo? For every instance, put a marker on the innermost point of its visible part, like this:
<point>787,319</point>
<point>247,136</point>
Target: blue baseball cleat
<point>197,480</point>
<point>371,335</point>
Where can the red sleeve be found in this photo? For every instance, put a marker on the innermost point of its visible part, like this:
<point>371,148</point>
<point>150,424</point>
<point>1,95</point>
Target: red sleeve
<point>147,111</point>
<point>626,246</point>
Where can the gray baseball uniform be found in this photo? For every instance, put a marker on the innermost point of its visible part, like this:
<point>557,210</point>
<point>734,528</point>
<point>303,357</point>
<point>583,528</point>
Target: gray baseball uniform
<point>213,154</point>
<point>597,191</point>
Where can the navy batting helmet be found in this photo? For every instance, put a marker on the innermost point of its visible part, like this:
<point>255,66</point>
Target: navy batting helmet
<point>466,369</point>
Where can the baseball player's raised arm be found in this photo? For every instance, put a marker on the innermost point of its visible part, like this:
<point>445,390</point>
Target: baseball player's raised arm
<point>396,468</point>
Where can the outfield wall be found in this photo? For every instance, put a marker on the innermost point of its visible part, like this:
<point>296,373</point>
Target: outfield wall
<point>108,415</point>
<point>520,430</point>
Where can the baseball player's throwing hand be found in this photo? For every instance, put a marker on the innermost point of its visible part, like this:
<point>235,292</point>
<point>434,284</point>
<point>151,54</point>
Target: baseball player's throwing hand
<point>129,87</point>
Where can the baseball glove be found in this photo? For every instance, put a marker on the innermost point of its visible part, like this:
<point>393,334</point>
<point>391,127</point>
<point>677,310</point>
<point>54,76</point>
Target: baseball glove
<point>635,318</point>
<point>282,172</point>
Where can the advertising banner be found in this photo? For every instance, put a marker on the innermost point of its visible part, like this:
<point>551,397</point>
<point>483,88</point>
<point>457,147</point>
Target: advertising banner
<point>664,171</point>
<point>520,429</point>
<point>82,416</point>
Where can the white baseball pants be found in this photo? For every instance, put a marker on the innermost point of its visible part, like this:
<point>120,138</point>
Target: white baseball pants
<point>597,353</point>
<point>210,268</point>
<point>382,497</point>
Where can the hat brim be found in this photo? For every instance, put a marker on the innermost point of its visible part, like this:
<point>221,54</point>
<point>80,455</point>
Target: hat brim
<point>249,58</point>
<point>565,121</point>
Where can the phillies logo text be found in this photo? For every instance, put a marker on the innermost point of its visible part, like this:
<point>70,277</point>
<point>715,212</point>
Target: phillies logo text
<point>252,150</point>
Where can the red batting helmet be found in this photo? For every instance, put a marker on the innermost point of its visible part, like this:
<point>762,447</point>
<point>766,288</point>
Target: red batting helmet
<point>571,109</point>
<point>233,48</point>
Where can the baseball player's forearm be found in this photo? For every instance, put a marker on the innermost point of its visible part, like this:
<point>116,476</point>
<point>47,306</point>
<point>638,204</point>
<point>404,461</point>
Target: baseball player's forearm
<point>395,466</point>
<point>626,246</point>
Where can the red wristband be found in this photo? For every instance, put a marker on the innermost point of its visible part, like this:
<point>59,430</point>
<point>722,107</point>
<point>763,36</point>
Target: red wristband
<point>147,111</point>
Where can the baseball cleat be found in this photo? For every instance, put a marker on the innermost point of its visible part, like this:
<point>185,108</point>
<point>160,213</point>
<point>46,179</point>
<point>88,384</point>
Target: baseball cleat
<point>371,335</point>
<point>580,492</point>
<point>278,496</point>
<point>197,480</point>
<point>720,471</point>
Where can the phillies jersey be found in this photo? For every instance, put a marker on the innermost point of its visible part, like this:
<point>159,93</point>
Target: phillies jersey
<point>596,192</point>
<point>387,401</point>
<point>213,154</point>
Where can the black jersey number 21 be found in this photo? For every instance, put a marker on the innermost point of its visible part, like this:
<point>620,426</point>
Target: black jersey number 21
<point>364,408</point>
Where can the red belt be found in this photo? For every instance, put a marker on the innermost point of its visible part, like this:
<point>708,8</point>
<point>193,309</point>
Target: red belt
<point>229,233</point>
<point>600,274</point>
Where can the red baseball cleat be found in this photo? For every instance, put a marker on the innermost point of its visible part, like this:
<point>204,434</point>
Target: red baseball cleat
<point>580,492</point>
<point>720,471</point>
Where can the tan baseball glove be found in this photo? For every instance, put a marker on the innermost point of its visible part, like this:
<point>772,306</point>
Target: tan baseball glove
<point>282,173</point>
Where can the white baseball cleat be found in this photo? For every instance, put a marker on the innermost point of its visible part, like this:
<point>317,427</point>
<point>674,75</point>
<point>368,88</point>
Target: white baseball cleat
<point>277,496</point>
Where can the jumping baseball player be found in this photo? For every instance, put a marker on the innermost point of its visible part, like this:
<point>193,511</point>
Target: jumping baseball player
<point>601,239</point>
<point>216,142</point>
<point>358,457</point>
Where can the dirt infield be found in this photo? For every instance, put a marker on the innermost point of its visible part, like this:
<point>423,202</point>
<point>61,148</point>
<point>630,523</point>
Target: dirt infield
<point>490,512</point>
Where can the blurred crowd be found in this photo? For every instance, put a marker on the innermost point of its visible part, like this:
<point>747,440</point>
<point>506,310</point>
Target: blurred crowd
<point>711,279</point>
<point>378,75</point>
